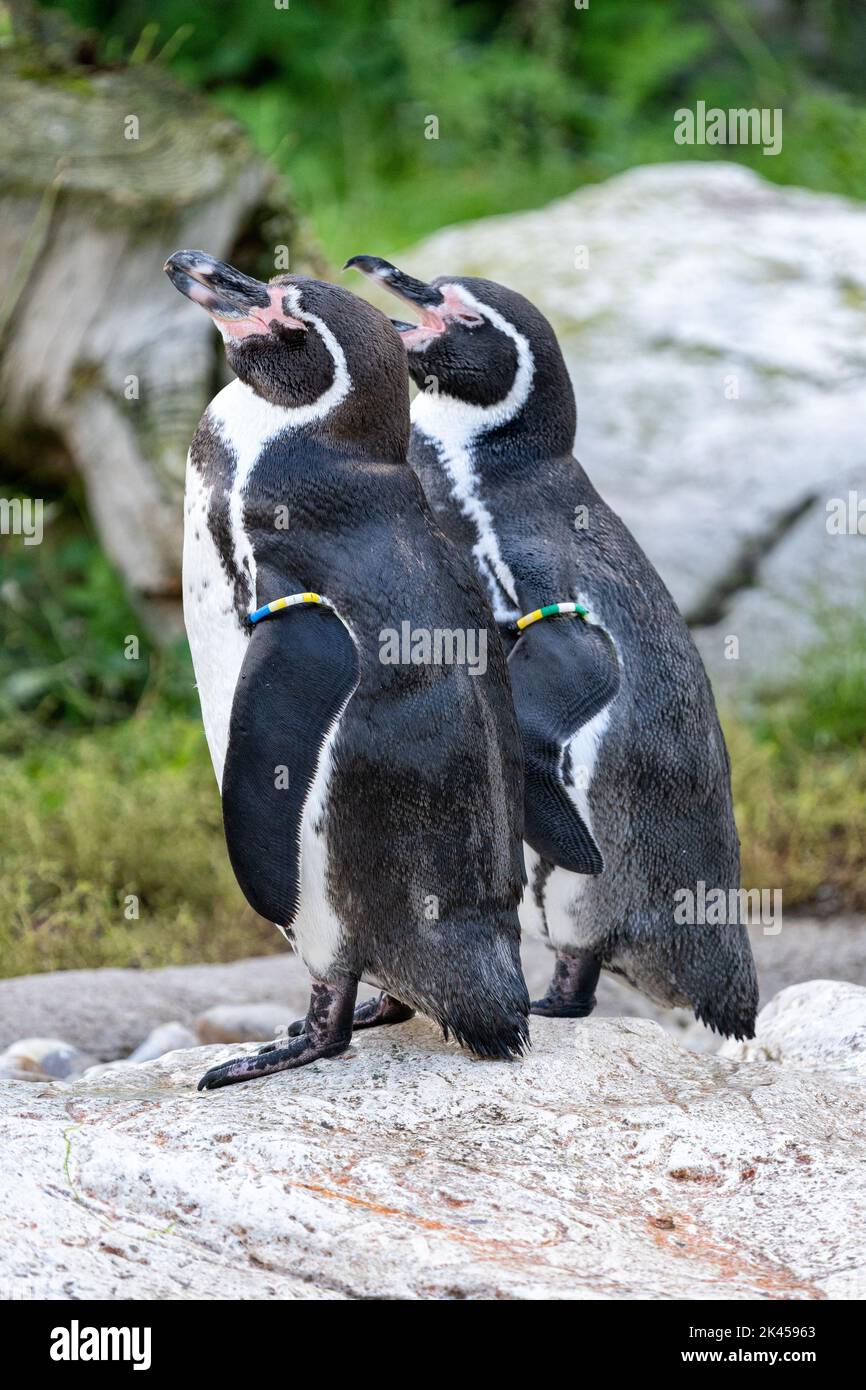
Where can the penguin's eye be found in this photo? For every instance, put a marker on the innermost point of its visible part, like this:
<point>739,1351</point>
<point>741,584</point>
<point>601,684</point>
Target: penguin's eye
<point>467,318</point>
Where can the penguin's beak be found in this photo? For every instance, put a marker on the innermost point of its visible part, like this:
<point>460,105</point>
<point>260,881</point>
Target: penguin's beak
<point>217,287</point>
<point>239,305</point>
<point>425,298</point>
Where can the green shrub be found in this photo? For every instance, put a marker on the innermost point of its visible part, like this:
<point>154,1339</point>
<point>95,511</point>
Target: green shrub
<point>532,100</point>
<point>799,771</point>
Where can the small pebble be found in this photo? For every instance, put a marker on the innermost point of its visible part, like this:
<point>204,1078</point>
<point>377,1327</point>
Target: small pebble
<point>229,1023</point>
<point>41,1059</point>
<point>168,1037</point>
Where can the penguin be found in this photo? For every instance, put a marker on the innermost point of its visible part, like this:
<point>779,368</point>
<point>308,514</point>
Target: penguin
<point>371,793</point>
<point>617,716</point>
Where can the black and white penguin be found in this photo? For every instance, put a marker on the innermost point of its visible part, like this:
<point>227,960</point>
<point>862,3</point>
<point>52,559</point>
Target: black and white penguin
<point>615,708</point>
<point>372,801</point>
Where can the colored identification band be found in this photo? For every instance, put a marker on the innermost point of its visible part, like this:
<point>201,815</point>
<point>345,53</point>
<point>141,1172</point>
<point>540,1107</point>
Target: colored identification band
<point>550,610</point>
<point>289,601</point>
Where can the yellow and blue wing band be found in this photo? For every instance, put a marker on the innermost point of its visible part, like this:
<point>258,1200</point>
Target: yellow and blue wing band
<point>290,601</point>
<point>550,610</point>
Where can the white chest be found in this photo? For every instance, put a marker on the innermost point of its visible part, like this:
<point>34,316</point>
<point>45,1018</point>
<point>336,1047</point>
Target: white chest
<point>217,638</point>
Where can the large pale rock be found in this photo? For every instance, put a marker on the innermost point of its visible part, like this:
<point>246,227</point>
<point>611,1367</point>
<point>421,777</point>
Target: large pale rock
<point>820,1024</point>
<point>608,1164</point>
<point>714,332</point>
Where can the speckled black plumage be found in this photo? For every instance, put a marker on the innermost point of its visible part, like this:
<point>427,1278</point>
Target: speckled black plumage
<point>660,795</point>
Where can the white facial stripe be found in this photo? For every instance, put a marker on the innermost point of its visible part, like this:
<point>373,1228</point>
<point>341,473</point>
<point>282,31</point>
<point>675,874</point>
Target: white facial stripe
<point>468,418</point>
<point>453,426</point>
<point>247,422</point>
<point>342,383</point>
<point>265,419</point>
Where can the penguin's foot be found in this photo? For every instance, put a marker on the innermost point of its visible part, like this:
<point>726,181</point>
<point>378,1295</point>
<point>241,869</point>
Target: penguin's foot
<point>373,1013</point>
<point>299,1052</point>
<point>327,1031</point>
<point>571,992</point>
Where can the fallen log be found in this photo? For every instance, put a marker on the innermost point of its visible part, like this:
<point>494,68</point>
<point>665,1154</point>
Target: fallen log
<point>104,170</point>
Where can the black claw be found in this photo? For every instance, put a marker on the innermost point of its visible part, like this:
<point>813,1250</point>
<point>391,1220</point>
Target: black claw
<point>213,1079</point>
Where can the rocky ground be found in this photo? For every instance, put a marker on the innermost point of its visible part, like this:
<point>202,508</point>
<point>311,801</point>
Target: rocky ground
<point>612,1162</point>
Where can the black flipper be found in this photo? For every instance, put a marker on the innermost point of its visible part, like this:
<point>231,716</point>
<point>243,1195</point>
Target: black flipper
<point>299,672</point>
<point>563,671</point>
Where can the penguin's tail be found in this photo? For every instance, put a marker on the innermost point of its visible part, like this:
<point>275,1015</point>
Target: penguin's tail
<point>474,986</point>
<point>716,970</point>
<point>732,1011</point>
<point>709,969</point>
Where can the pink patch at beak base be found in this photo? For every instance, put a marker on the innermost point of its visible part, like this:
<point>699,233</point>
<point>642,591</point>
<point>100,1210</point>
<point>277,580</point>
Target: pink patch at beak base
<point>258,320</point>
<point>435,321</point>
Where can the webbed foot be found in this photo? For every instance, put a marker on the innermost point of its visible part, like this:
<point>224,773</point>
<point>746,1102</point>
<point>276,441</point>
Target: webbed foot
<point>297,1053</point>
<point>571,992</point>
<point>325,1032</point>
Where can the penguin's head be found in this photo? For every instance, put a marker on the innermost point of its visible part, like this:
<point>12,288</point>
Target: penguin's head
<point>481,347</point>
<point>313,348</point>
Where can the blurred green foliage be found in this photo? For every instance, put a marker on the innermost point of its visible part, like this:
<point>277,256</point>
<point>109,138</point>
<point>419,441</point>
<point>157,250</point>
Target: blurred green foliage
<point>533,97</point>
<point>799,775</point>
<point>64,624</point>
<point>106,788</point>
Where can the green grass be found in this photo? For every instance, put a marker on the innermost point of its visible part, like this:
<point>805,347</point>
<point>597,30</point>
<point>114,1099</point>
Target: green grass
<point>801,815</point>
<point>89,821</point>
<point>799,772</point>
<point>72,651</point>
